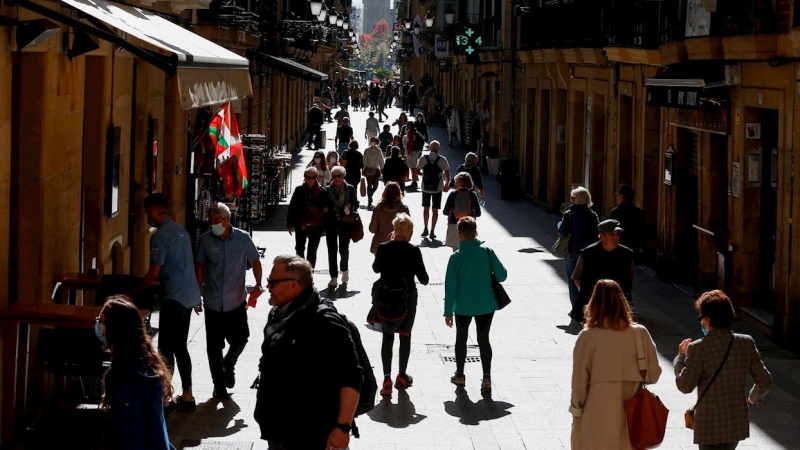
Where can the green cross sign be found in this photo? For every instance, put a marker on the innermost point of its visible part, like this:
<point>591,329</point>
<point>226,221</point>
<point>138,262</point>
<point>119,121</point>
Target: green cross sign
<point>469,32</point>
<point>469,50</point>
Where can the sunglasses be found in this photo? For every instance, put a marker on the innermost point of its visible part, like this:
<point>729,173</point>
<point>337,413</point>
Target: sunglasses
<point>274,281</point>
<point>311,178</point>
<point>338,176</point>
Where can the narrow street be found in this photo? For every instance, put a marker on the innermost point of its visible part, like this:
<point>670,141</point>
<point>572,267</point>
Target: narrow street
<point>532,343</point>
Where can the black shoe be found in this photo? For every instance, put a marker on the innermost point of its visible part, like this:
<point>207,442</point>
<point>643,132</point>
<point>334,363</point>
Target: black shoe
<point>425,232</point>
<point>179,404</point>
<point>220,393</point>
<point>433,236</point>
<point>230,378</point>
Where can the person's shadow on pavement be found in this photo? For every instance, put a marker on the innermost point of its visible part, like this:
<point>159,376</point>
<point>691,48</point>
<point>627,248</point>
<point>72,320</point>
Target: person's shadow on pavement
<point>215,426</point>
<point>399,415</point>
<point>471,413</point>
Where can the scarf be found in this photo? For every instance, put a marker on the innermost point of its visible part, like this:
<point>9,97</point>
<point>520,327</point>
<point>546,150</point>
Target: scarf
<point>339,199</point>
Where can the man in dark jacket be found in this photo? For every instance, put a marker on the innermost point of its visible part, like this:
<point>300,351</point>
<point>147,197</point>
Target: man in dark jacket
<point>606,259</point>
<point>310,373</point>
<point>630,218</point>
<point>315,119</point>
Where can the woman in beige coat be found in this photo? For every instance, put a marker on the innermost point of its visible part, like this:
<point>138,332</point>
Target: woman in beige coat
<point>390,204</point>
<point>605,370</point>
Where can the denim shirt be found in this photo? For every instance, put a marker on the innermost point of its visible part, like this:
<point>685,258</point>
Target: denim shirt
<point>226,268</point>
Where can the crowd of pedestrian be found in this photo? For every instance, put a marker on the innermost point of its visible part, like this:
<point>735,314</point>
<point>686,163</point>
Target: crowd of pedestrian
<point>318,353</point>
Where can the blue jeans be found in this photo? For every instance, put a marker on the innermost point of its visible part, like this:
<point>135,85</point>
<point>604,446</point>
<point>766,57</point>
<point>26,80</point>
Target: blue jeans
<point>728,446</point>
<point>569,263</point>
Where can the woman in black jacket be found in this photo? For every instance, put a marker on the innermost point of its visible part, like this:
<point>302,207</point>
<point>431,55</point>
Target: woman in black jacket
<point>395,168</point>
<point>580,222</point>
<point>342,202</point>
<point>307,208</point>
<point>398,262</point>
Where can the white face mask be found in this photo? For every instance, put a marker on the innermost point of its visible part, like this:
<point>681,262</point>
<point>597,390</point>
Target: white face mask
<point>218,229</point>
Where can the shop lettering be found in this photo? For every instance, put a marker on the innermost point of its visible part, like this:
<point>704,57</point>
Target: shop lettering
<point>687,98</point>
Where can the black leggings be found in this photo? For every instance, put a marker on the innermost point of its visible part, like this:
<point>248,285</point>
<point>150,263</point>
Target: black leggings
<point>483,323</point>
<point>173,330</point>
<point>386,353</point>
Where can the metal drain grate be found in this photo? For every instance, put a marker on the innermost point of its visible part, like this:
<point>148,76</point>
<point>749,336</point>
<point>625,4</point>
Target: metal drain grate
<point>470,359</point>
<point>321,271</point>
<point>204,444</point>
<point>439,283</point>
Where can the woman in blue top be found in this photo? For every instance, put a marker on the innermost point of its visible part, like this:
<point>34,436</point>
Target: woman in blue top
<point>468,294</point>
<point>137,384</point>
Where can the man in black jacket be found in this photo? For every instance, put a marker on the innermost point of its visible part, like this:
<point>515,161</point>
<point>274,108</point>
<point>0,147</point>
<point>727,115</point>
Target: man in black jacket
<point>315,119</point>
<point>310,372</point>
<point>605,259</point>
<point>630,218</point>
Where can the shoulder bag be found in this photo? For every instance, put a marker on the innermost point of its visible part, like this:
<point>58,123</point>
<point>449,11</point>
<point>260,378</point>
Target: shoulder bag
<point>561,247</point>
<point>688,416</point>
<point>647,416</point>
<point>499,291</point>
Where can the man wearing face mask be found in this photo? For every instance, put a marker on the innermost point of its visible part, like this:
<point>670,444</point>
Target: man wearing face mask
<point>171,264</point>
<point>221,268</point>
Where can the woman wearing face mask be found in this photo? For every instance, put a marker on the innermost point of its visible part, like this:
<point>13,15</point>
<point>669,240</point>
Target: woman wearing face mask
<point>137,384</point>
<point>318,162</point>
<point>307,208</point>
<point>332,160</point>
<point>342,202</point>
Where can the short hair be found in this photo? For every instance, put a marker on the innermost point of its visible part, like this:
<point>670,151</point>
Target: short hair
<point>403,225</point>
<point>608,307</point>
<point>220,209</point>
<point>435,142</point>
<point>311,169</point>
<point>297,267</point>
<point>464,179</point>
<point>353,145</point>
<point>581,196</point>
<point>387,127</point>
<point>338,169</point>
<point>156,199</point>
<point>467,227</point>
<point>345,119</point>
<point>395,150</point>
<point>626,191</point>
<point>469,157</point>
<point>374,139</point>
<point>717,307</point>
<point>371,114</point>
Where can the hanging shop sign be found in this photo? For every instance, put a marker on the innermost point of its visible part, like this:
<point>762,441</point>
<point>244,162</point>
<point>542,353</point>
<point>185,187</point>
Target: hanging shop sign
<point>442,46</point>
<point>711,120</point>
<point>674,96</point>
<point>444,64</point>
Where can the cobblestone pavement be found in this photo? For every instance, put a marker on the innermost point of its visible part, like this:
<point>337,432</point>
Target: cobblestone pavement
<point>532,343</point>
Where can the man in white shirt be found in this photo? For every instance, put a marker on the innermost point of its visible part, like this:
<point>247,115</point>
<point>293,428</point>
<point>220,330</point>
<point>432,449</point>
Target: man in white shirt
<point>435,180</point>
<point>373,166</point>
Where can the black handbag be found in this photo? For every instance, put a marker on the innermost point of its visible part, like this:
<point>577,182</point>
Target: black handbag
<point>500,293</point>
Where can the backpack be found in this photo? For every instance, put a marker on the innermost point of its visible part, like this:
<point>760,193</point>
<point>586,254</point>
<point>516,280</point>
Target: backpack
<point>431,174</point>
<point>462,205</point>
<point>390,297</point>
<point>369,387</point>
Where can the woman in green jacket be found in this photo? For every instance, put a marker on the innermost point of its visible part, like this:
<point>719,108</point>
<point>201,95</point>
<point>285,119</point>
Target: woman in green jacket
<point>468,294</point>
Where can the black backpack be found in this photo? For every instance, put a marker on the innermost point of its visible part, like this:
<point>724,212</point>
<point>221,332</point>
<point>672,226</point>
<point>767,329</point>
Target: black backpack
<point>390,297</point>
<point>431,174</point>
<point>369,387</point>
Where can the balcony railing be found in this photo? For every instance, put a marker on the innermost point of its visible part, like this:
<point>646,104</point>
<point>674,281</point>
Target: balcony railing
<point>732,18</point>
<point>563,24</point>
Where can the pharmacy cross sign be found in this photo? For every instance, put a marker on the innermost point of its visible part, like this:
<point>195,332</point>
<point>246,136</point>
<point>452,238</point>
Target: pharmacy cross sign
<point>463,40</point>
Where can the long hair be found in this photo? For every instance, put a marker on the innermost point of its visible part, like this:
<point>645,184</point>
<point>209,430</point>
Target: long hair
<point>131,348</point>
<point>392,195</point>
<point>322,167</point>
<point>608,307</point>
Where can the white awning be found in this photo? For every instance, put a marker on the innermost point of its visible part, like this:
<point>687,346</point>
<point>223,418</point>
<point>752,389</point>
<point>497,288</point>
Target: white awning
<point>207,73</point>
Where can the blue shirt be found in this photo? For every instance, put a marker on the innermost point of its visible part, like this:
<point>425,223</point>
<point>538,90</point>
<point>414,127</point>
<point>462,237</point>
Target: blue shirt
<point>226,268</point>
<point>171,248</point>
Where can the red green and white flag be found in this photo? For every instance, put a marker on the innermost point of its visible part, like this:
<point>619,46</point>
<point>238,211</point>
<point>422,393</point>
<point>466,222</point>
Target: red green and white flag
<point>229,151</point>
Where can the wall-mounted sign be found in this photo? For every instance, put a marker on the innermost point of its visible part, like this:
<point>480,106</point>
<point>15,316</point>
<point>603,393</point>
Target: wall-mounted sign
<point>736,179</point>
<point>442,46</point>
<point>673,97</point>
<point>444,65</point>
<point>469,42</point>
<point>698,19</point>
<point>752,130</point>
<point>706,119</point>
<point>668,165</point>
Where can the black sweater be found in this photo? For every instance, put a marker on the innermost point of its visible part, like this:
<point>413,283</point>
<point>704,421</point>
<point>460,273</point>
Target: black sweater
<point>400,259</point>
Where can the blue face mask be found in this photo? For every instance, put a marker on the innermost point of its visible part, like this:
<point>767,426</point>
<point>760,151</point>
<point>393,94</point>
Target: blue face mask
<point>218,229</point>
<point>704,330</point>
<point>99,329</point>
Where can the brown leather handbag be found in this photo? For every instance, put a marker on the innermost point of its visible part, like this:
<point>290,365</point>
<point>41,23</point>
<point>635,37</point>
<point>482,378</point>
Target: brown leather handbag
<point>647,416</point>
<point>688,416</point>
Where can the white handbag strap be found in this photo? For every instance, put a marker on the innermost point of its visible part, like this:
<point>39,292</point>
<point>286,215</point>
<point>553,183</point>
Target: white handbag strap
<point>640,354</point>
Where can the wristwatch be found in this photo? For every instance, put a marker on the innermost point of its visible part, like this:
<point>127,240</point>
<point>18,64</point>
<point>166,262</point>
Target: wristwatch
<point>344,427</point>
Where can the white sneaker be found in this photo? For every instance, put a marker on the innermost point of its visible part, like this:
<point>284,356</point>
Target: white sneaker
<point>333,282</point>
<point>345,276</point>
